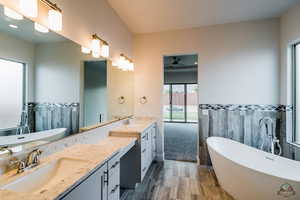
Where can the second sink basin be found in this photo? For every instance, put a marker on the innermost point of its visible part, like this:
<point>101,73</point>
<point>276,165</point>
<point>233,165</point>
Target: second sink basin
<point>45,176</point>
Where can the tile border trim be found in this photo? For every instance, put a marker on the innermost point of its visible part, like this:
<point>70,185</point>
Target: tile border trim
<point>247,107</point>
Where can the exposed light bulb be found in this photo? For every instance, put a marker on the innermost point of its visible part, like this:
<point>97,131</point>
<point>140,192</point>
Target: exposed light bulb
<point>40,28</point>
<point>29,7</point>
<point>55,20</point>
<point>12,14</point>
<point>105,51</point>
<point>85,50</point>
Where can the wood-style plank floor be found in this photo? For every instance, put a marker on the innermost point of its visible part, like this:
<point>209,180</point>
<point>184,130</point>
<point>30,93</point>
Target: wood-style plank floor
<point>175,180</point>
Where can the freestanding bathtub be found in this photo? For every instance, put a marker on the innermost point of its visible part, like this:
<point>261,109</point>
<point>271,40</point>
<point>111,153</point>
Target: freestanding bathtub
<point>247,173</point>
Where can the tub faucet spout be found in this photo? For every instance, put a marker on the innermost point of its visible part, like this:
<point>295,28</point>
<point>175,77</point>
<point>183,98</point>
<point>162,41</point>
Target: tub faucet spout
<point>269,123</point>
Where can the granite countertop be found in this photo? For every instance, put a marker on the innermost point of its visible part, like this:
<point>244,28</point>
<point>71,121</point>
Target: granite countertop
<point>133,129</point>
<point>92,155</point>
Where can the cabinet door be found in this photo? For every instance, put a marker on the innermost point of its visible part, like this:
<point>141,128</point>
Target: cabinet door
<point>92,188</point>
<point>153,142</point>
<point>114,178</point>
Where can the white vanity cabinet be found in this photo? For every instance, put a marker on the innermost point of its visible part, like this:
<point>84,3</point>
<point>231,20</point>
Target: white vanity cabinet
<point>148,149</point>
<point>114,178</point>
<point>103,184</point>
<point>92,188</point>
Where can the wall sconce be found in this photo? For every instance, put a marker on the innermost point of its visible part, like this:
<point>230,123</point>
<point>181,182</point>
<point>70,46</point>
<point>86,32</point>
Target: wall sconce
<point>12,14</point>
<point>98,49</point>
<point>54,15</point>
<point>29,7</point>
<point>125,63</point>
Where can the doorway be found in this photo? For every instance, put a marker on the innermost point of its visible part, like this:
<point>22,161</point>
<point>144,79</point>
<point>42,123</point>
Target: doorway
<point>180,107</point>
<point>95,92</point>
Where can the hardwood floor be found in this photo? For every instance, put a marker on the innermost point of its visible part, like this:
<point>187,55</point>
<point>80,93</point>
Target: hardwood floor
<point>174,180</point>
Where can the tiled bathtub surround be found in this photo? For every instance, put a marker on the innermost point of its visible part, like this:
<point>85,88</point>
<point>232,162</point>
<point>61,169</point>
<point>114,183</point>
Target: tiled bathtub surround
<point>45,116</point>
<point>241,123</point>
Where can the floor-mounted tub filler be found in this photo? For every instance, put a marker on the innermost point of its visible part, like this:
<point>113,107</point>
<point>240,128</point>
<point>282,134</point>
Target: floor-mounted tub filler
<point>247,173</point>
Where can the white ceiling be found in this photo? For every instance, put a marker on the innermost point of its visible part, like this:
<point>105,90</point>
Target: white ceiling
<point>144,16</point>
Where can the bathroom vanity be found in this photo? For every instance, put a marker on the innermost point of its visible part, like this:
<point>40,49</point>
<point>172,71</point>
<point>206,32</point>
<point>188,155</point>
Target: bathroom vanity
<point>95,171</point>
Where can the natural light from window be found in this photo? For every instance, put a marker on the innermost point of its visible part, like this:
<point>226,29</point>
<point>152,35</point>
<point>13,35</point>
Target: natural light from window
<point>11,90</point>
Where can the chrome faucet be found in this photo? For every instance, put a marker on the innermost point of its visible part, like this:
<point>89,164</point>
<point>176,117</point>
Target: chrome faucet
<point>270,125</point>
<point>32,160</point>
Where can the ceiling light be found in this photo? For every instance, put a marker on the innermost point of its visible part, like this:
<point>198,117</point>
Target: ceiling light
<point>13,26</point>
<point>29,7</point>
<point>55,20</point>
<point>105,50</point>
<point>40,28</point>
<point>85,50</point>
<point>12,14</point>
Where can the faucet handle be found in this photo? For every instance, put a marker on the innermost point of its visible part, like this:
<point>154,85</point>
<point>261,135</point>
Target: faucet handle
<point>15,163</point>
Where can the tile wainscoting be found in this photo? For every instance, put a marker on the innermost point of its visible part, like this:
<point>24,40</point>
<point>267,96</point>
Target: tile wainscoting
<point>46,116</point>
<point>241,123</point>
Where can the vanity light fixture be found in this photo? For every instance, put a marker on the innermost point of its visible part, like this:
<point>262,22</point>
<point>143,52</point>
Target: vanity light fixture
<point>54,15</point>
<point>96,54</point>
<point>12,14</point>
<point>85,50</point>
<point>125,63</point>
<point>40,28</point>
<point>29,7</point>
<point>96,46</point>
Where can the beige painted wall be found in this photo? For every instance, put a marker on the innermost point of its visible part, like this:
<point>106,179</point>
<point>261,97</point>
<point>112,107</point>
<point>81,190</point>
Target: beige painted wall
<point>238,64</point>
<point>290,33</point>
<point>83,18</point>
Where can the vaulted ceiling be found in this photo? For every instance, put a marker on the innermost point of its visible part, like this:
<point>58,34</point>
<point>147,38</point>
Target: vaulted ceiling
<point>144,16</point>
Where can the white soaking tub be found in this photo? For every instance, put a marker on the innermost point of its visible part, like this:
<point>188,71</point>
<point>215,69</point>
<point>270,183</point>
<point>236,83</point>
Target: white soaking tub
<point>247,173</point>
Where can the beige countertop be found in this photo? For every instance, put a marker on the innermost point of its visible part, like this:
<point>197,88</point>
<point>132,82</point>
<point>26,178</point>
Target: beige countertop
<point>133,129</point>
<point>94,155</point>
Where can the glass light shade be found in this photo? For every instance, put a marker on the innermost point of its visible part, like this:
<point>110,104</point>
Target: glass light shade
<point>55,20</point>
<point>131,66</point>
<point>85,50</point>
<point>12,14</point>
<point>122,63</point>
<point>40,28</point>
<point>114,64</point>
<point>29,7</point>
<point>105,51</point>
<point>96,45</point>
<point>96,54</point>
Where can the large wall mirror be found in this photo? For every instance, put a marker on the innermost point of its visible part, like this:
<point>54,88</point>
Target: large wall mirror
<point>50,89</point>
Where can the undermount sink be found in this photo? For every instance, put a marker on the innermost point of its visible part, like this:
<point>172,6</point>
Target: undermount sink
<point>45,176</point>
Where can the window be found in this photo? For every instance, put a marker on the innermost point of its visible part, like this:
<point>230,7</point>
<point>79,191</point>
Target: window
<point>180,103</point>
<point>12,90</point>
<point>296,92</point>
